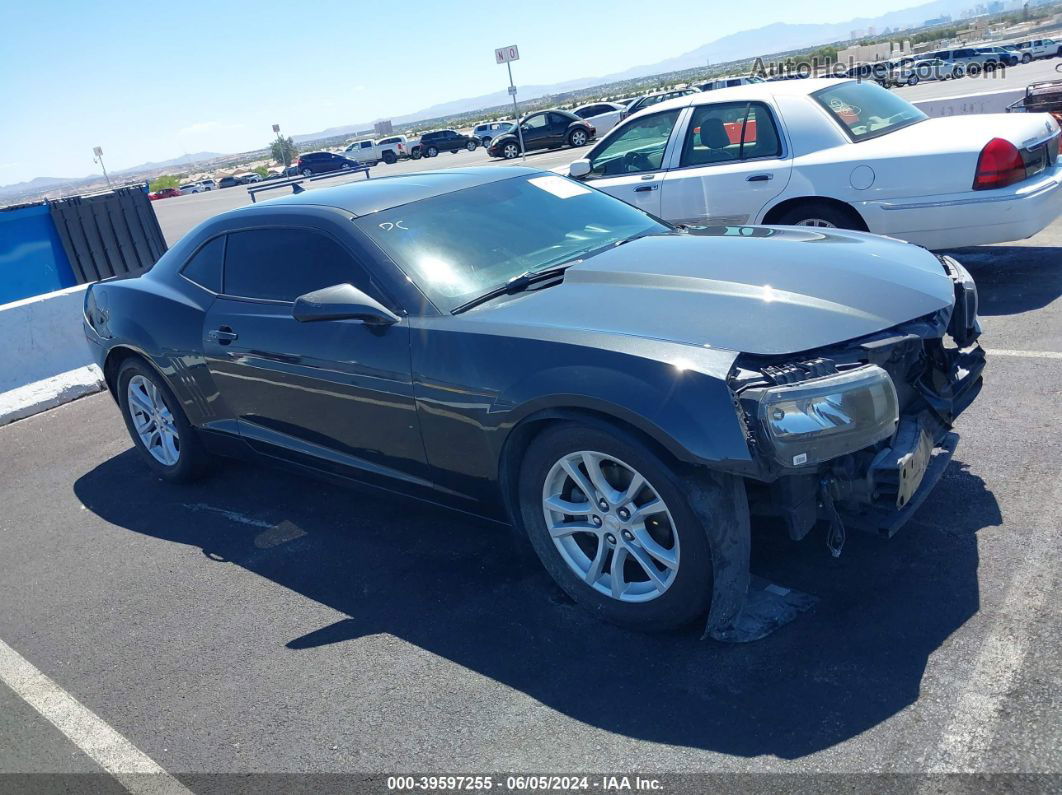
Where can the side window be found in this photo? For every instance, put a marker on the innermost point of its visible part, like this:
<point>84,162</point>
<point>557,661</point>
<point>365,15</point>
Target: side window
<point>282,264</point>
<point>537,122</point>
<point>727,132</point>
<point>558,121</point>
<point>635,147</point>
<point>204,268</point>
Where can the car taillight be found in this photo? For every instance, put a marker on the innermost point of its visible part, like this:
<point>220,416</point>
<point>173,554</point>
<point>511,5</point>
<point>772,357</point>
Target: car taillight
<point>999,164</point>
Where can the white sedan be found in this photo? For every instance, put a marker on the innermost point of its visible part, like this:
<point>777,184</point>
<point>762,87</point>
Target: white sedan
<point>834,153</point>
<point>603,115</point>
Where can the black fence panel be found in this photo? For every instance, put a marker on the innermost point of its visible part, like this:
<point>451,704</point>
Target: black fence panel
<point>112,234</point>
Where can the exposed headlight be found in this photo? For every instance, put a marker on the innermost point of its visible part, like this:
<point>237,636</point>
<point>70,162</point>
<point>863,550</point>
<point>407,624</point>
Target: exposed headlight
<point>816,420</point>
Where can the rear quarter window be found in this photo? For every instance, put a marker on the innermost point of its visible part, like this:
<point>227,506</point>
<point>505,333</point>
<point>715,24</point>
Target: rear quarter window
<point>866,110</point>
<point>204,268</point>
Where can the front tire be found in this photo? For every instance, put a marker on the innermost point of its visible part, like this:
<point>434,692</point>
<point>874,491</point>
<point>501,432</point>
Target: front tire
<point>431,151</point>
<point>161,433</point>
<point>912,80</point>
<point>1026,58</point>
<point>471,146</point>
<point>614,529</point>
<point>307,173</point>
<point>510,150</point>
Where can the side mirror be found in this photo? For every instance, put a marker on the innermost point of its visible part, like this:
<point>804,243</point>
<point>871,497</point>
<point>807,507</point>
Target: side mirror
<point>579,169</point>
<point>342,302</point>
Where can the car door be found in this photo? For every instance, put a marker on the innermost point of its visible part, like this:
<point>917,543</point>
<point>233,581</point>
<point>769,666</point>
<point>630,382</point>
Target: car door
<point>731,163</point>
<point>334,394</point>
<point>558,129</point>
<point>629,163</point>
<point>536,131</point>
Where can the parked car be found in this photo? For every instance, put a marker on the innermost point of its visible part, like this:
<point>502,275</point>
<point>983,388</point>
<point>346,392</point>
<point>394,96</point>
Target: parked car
<point>603,116</point>
<point>228,182</point>
<point>191,187</point>
<point>431,143</point>
<point>1002,55</point>
<point>486,132</point>
<point>399,144</point>
<point>1037,48</point>
<point>833,153</point>
<point>249,177</point>
<point>969,59</point>
<point>540,353</point>
<point>208,184</point>
<point>729,82</point>
<point>648,100</point>
<point>546,129</point>
<point>924,70</point>
<point>312,163</point>
<point>165,193</point>
<point>386,150</point>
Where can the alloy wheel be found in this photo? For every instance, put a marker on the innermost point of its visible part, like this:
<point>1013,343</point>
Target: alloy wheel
<point>510,151</point>
<point>821,222</point>
<point>610,526</point>
<point>153,421</point>
<point>578,138</point>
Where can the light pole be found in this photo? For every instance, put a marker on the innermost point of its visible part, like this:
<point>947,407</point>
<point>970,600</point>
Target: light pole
<point>97,152</point>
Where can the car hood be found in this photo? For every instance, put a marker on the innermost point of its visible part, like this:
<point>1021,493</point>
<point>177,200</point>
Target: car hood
<point>760,290</point>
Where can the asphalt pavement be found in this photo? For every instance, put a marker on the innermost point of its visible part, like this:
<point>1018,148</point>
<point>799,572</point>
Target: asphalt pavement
<point>261,622</point>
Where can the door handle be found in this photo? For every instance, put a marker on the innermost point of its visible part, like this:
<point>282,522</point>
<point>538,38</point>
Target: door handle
<point>641,188</point>
<point>759,178</point>
<point>223,335</point>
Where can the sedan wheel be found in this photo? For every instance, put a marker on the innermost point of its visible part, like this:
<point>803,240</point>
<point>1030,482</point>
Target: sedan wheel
<point>613,527</point>
<point>510,151</point>
<point>153,421</point>
<point>471,146</point>
<point>577,138</point>
<point>816,222</point>
<point>610,526</point>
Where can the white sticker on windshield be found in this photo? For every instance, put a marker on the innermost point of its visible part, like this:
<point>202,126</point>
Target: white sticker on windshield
<point>559,186</point>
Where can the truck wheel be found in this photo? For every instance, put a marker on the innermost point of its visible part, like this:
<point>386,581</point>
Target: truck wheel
<point>390,158</point>
<point>610,523</point>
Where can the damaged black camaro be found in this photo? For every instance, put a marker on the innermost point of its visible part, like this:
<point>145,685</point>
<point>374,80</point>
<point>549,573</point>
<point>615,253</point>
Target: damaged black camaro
<point>517,345</point>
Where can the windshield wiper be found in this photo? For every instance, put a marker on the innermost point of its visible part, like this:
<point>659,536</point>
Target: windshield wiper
<point>517,284</point>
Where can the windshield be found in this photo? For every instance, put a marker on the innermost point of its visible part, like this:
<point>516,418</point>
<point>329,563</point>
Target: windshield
<point>866,110</point>
<point>460,245</point>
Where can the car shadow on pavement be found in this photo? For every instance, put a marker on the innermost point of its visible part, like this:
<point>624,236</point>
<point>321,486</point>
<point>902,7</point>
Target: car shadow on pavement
<point>472,592</point>
<point>1013,279</point>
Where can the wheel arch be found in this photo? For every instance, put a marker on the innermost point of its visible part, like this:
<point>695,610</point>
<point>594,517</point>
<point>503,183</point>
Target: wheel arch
<point>778,210</point>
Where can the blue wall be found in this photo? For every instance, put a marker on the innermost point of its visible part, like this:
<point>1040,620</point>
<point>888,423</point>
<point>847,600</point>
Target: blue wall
<point>32,260</point>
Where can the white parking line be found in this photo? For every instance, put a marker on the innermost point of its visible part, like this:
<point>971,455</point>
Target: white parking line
<point>1026,354</point>
<point>133,769</point>
<point>966,742</point>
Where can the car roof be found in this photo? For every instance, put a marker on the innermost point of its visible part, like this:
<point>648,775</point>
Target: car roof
<point>381,193</point>
<point>749,92</point>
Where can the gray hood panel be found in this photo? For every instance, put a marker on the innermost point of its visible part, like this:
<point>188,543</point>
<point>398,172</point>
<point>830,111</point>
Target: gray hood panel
<point>749,289</point>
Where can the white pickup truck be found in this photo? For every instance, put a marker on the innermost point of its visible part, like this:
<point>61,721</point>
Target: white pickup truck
<point>386,150</point>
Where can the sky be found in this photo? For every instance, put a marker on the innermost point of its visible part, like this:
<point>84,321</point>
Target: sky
<point>149,81</point>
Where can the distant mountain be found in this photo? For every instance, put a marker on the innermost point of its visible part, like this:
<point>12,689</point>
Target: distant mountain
<point>183,160</point>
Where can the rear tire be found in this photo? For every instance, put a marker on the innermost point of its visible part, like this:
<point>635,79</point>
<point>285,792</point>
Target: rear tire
<point>1026,58</point>
<point>912,80</point>
<point>578,138</point>
<point>307,173</point>
<point>431,151</point>
<point>818,214</point>
<point>390,158</point>
<point>471,145</point>
<point>156,413</point>
<point>416,154</point>
<point>669,537</point>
